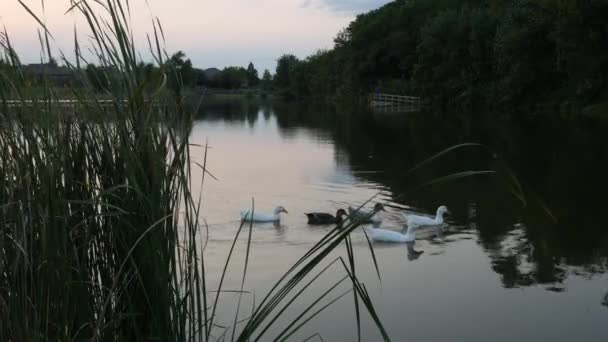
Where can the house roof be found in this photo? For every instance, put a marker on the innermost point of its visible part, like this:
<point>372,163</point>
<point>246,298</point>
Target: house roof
<point>47,69</point>
<point>211,73</point>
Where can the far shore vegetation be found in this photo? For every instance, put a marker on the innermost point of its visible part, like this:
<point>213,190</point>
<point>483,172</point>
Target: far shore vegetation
<point>479,54</point>
<point>230,82</point>
<point>476,54</point>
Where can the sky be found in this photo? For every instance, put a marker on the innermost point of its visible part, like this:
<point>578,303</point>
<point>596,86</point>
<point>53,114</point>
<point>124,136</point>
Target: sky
<point>212,33</point>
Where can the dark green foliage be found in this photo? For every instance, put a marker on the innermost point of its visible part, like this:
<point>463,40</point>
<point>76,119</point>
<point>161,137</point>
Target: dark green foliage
<point>200,78</point>
<point>454,56</point>
<point>252,75</point>
<point>180,72</point>
<point>266,80</point>
<point>476,52</point>
<point>284,77</point>
<point>525,63</point>
<point>233,78</point>
<point>53,62</point>
<point>581,46</point>
<point>97,78</point>
<point>316,76</point>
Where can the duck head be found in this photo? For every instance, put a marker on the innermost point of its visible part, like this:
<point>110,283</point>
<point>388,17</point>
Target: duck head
<point>379,207</point>
<point>279,210</point>
<point>441,211</point>
<point>340,213</point>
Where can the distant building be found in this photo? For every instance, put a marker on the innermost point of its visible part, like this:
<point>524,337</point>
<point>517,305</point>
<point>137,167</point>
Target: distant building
<point>58,75</point>
<point>212,73</point>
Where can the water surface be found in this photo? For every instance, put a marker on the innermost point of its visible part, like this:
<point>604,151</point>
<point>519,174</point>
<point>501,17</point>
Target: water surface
<point>501,270</point>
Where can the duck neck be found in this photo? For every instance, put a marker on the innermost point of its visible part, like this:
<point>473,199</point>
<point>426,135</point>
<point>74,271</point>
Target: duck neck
<point>439,218</point>
<point>339,216</point>
<point>411,230</point>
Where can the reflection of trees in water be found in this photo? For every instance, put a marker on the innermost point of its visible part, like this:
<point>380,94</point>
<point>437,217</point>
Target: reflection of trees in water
<point>235,111</point>
<point>412,253</point>
<point>520,263</point>
<point>267,112</point>
<point>562,161</point>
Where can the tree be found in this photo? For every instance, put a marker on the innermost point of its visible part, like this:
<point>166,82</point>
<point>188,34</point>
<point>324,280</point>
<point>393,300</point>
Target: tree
<point>525,60</point>
<point>318,76</point>
<point>455,55</point>
<point>233,77</point>
<point>180,72</point>
<point>145,71</point>
<point>284,75</point>
<point>343,38</point>
<point>474,52</point>
<point>266,80</point>
<point>200,78</point>
<point>97,78</point>
<point>149,76</point>
<point>252,75</point>
<point>53,62</point>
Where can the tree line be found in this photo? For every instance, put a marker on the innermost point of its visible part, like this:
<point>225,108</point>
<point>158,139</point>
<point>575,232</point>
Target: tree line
<point>181,73</point>
<point>463,52</point>
<point>178,71</point>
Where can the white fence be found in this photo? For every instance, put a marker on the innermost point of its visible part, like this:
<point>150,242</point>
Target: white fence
<point>379,100</point>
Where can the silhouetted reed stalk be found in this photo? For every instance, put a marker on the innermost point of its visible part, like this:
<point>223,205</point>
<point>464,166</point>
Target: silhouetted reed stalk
<point>100,236</point>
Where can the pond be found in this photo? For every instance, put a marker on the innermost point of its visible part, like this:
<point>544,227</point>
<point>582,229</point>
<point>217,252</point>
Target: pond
<point>502,269</point>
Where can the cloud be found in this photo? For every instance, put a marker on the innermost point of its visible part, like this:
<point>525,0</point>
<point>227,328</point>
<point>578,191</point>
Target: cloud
<point>306,3</point>
<point>345,6</point>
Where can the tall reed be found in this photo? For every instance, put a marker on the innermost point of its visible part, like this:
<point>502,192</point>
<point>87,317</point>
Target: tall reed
<point>98,232</point>
<point>100,235</point>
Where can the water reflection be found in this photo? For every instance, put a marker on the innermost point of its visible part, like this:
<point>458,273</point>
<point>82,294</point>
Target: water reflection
<point>561,161</point>
<point>413,254</point>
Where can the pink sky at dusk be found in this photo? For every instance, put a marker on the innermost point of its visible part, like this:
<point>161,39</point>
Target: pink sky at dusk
<point>212,33</point>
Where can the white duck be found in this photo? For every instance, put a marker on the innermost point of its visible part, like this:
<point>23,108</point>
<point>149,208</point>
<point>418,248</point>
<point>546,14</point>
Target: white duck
<point>262,217</point>
<point>420,221</point>
<point>385,235</point>
<point>363,215</point>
